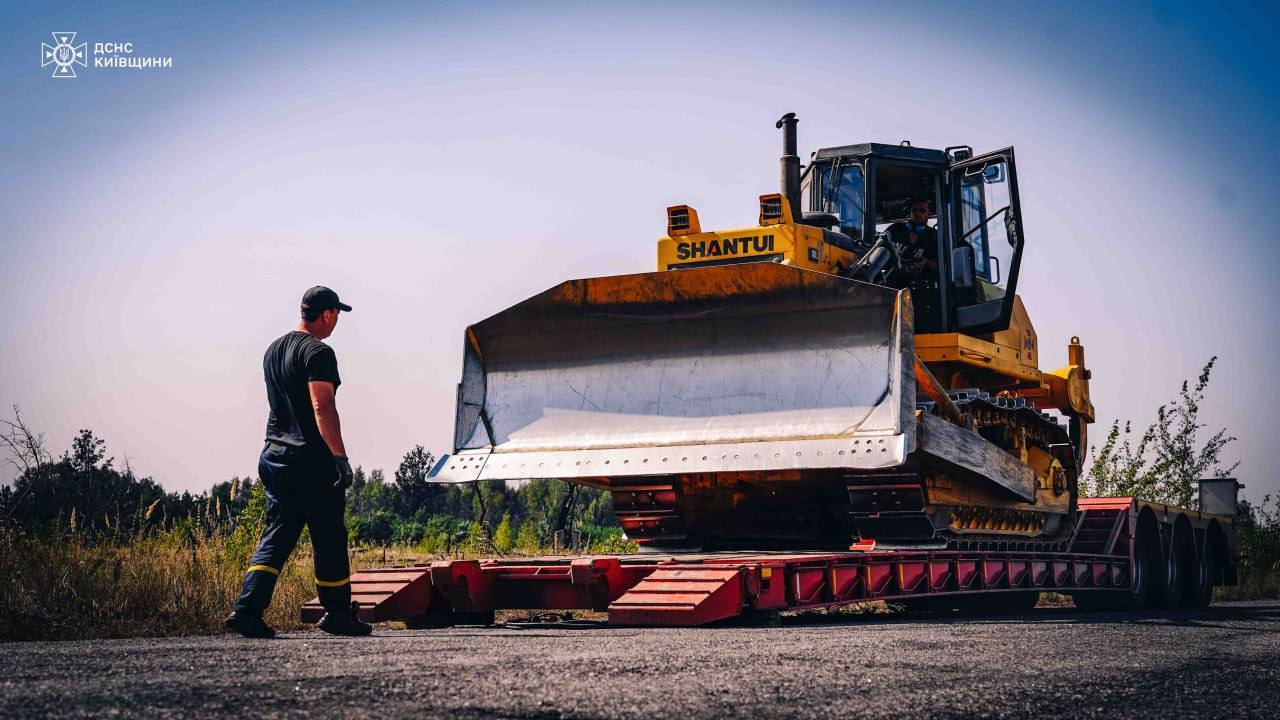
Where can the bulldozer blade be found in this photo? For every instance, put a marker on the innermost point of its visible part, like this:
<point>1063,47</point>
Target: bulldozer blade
<point>752,367</point>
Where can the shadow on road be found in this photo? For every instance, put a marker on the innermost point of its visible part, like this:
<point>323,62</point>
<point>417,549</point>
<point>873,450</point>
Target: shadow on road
<point>1208,617</point>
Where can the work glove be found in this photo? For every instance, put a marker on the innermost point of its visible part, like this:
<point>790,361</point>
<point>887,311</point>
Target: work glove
<point>343,466</point>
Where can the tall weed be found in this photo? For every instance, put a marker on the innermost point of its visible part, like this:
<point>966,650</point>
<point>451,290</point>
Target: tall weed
<point>178,578</point>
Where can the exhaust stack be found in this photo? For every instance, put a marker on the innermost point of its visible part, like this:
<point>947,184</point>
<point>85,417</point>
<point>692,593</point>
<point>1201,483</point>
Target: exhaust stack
<point>790,164</point>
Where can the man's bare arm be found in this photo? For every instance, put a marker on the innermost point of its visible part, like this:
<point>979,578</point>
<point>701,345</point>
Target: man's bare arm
<point>326,409</point>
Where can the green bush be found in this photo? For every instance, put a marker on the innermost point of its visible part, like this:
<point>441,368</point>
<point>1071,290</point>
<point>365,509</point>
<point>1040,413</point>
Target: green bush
<point>377,528</point>
<point>503,539</point>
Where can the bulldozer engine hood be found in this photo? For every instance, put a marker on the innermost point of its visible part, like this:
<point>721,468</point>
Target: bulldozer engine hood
<point>749,367</point>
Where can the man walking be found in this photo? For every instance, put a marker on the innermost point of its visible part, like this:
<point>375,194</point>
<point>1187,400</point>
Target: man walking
<point>305,471</point>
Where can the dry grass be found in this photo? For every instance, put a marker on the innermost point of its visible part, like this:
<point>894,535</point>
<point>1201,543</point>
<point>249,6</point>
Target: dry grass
<point>1255,584</point>
<point>161,584</point>
<point>177,581</point>
<point>63,588</point>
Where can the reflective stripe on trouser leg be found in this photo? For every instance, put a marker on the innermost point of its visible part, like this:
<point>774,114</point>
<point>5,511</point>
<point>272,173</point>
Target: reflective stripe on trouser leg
<point>329,546</point>
<point>259,585</point>
<point>283,528</point>
<point>334,594</point>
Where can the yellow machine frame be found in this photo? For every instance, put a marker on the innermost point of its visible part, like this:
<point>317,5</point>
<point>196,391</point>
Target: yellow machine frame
<point>1004,362</point>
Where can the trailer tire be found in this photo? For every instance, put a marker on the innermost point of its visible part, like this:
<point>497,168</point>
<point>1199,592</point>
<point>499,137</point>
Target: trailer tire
<point>1207,571</point>
<point>1146,582</point>
<point>1179,567</point>
<point>1201,583</point>
<point>1145,585</point>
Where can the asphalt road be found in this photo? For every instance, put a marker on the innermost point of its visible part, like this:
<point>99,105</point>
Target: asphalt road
<point>1223,662</point>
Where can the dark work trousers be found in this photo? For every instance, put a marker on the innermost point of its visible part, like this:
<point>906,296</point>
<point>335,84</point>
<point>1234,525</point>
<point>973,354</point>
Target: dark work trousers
<point>300,491</point>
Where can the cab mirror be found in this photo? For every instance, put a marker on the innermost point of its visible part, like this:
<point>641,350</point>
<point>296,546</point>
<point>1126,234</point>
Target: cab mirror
<point>821,219</point>
<point>1011,228</point>
<point>962,268</point>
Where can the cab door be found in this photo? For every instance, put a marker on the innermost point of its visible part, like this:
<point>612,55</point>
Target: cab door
<point>986,219</point>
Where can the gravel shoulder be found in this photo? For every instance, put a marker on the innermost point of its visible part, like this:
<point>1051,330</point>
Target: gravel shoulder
<point>1224,661</point>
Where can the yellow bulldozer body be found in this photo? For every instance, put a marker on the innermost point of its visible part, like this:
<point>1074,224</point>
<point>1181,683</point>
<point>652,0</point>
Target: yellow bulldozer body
<point>748,367</point>
<point>776,239</point>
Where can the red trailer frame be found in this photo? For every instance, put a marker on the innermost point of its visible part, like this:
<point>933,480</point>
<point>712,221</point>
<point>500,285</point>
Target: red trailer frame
<point>1123,552</point>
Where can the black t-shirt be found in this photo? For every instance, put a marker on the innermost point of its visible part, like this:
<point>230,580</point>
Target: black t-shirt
<point>292,361</point>
<point>925,246</point>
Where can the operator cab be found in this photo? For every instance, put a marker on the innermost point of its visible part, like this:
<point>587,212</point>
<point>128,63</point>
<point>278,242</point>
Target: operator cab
<point>863,191</point>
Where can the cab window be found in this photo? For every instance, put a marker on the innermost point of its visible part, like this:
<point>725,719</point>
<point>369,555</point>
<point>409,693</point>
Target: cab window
<point>842,198</point>
<point>896,187</point>
<point>985,201</point>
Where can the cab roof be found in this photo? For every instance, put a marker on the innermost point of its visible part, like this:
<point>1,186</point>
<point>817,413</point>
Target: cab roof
<point>892,152</point>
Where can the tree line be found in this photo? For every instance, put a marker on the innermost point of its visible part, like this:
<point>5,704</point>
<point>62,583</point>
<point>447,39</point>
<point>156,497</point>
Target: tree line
<point>84,491</point>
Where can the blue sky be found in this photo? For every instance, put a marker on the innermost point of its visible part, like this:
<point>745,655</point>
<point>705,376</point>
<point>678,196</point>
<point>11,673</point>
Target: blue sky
<point>437,162</point>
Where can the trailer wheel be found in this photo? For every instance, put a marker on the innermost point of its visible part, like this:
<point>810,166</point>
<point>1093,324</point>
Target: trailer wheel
<point>1206,570</point>
<point>1201,583</point>
<point>1179,566</point>
<point>1145,585</point>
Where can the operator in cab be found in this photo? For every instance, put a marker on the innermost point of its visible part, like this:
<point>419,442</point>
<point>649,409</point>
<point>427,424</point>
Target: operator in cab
<point>916,243</point>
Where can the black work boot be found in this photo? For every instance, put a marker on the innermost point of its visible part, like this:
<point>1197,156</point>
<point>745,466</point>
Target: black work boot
<point>249,625</point>
<point>345,622</point>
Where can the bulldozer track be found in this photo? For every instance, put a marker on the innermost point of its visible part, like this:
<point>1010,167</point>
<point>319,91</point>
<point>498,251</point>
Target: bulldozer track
<point>895,505</point>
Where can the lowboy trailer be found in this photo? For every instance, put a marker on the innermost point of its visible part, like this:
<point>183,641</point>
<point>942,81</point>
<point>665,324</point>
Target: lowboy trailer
<point>1124,553</point>
<point>855,367</point>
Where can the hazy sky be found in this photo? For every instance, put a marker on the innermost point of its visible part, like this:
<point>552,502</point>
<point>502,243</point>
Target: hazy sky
<point>436,162</point>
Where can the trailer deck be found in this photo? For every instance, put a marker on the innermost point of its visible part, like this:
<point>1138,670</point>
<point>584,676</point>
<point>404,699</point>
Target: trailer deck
<point>700,588</point>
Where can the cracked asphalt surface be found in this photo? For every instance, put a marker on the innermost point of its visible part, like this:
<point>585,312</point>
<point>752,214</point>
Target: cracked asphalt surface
<point>1221,662</point>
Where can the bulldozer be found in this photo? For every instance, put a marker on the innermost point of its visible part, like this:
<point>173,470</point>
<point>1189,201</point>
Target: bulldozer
<point>805,383</point>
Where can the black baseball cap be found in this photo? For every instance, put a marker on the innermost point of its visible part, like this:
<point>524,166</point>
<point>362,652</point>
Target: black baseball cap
<point>322,298</point>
